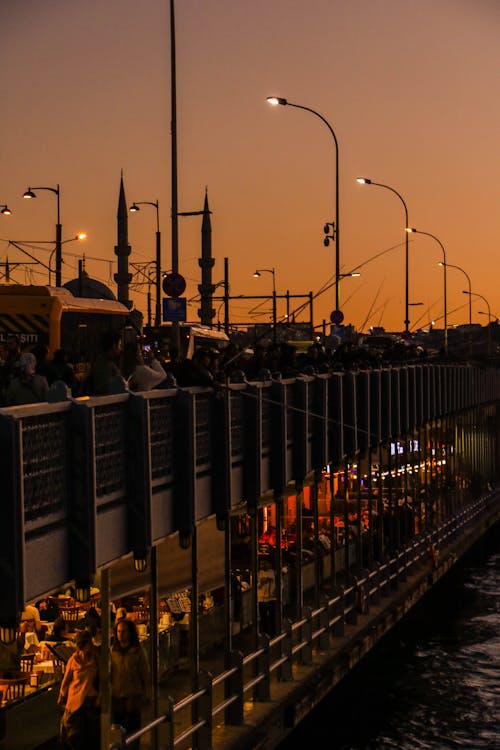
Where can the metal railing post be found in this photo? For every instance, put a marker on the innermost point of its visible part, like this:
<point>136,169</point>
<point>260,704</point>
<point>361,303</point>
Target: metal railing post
<point>285,671</point>
<point>263,689</point>
<point>234,712</point>
<point>204,711</point>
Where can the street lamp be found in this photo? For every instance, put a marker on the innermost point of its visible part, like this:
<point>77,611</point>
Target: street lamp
<point>367,181</point>
<point>428,234</point>
<point>30,193</point>
<point>459,268</point>
<point>133,208</point>
<point>5,210</point>
<point>272,271</point>
<point>275,101</point>
<point>79,236</point>
<point>475,294</point>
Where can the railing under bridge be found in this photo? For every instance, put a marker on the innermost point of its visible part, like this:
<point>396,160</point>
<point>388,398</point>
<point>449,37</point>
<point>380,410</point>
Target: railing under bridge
<point>191,721</point>
<point>89,481</point>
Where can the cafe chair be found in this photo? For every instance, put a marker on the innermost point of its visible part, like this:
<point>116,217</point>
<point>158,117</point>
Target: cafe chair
<point>69,613</point>
<point>15,686</point>
<point>26,662</point>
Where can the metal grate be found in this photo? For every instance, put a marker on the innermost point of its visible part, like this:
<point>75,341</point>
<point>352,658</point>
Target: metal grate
<point>236,423</point>
<point>110,463</point>
<point>44,441</point>
<point>161,431</point>
<point>203,430</point>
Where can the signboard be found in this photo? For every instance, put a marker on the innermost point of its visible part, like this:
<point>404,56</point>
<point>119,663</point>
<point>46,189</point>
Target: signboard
<point>338,331</point>
<point>174,285</point>
<point>336,317</point>
<point>174,309</point>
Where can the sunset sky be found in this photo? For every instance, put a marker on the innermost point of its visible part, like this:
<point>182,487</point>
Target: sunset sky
<point>410,88</point>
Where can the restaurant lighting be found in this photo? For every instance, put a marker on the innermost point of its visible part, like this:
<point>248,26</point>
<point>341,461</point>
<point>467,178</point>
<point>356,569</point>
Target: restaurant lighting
<point>140,562</point>
<point>82,591</point>
<point>8,633</point>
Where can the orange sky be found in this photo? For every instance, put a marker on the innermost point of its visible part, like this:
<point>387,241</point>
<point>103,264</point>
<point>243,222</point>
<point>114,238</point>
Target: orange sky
<point>410,89</point>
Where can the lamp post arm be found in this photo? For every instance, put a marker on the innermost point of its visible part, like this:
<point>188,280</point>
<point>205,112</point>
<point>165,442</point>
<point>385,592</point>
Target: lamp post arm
<point>337,220</point>
<point>459,268</point>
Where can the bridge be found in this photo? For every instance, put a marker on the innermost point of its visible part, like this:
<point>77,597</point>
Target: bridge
<point>90,484</point>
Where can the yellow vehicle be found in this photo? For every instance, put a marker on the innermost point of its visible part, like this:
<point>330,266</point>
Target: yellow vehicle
<point>52,316</point>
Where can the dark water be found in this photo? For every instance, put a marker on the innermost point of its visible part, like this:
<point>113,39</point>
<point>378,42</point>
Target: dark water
<point>432,684</point>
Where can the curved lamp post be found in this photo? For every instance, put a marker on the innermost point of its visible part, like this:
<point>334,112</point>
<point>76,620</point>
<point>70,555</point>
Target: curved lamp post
<point>475,294</point>
<point>5,210</point>
<point>30,193</point>
<point>367,181</point>
<point>272,271</point>
<point>428,234</point>
<point>459,268</point>
<point>134,208</point>
<point>79,236</point>
<point>275,100</point>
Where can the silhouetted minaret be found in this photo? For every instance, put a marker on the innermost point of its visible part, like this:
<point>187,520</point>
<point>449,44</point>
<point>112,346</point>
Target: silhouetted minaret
<point>122,250</point>
<point>206,262</point>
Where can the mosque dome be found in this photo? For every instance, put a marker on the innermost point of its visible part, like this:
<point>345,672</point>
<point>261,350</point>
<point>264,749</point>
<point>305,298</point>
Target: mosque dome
<point>89,288</point>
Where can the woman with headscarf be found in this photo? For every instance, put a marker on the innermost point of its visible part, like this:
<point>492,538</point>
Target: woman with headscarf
<point>27,387</point>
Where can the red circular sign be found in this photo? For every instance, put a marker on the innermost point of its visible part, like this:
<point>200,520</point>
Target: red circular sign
<point>336,317</point>
<point>174,284</point>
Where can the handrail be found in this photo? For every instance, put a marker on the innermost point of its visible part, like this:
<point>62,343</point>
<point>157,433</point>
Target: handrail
<point>442,534</point>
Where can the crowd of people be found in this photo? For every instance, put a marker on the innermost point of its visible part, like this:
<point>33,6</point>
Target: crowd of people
<point>79,694</point>
<point>26,376</point>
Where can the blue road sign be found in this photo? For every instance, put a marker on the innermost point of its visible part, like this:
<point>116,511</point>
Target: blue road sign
<point>174,309</point>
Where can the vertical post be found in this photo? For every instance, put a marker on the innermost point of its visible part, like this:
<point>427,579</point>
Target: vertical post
<point>311,321</point>
<point>154,641</point>
<point>274,315</point>
<point>158,279</point>
<point>58,241</point>
<point>226,296</point>
<point>105,661</point>
<point>173,133</point>
<point>58,254</point>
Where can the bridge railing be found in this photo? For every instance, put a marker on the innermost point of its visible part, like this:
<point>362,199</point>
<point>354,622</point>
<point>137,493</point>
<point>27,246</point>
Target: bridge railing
<point>90,481</point>
<point>253,676</point>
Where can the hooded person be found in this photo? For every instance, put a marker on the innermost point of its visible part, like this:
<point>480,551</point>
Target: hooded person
<point>27,387</point>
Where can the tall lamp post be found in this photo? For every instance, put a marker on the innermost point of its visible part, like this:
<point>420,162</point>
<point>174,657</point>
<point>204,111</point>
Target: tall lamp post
<point>134,208</point>
<point>272,271</point>
<point>275,100</point>
<point>30,193</point>
<point>459,268</point>
<point>367,181</point>
<point>428,234</point>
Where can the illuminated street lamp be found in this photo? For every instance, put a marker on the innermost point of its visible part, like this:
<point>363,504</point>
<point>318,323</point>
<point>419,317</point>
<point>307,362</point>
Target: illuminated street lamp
<point>428,234</point>
<point>459,268</point>
<point>133,208</point>
<point>272,271</point>
<point>367,181</point>
<point>5,210</point>
<point>79,236</point>
<point>475,294</point>
<point>275,101</point>
<point>30,193</point>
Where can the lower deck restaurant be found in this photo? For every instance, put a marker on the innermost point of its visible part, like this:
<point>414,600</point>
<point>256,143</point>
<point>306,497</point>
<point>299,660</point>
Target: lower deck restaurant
<point>263,567</point>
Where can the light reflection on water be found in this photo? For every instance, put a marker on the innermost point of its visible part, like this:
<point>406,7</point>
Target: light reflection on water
<point>434,684</point>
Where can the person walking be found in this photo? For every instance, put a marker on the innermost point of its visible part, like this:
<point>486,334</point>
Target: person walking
<point>130,677</point>
<point>79,697</point>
